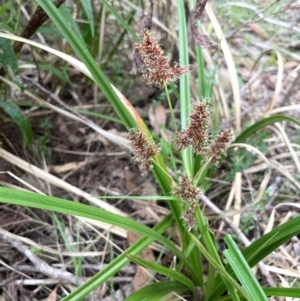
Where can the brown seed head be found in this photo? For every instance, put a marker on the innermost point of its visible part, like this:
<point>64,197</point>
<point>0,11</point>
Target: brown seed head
<point>188,217</point>
<point>186,190</point>
<point>158,70</point>
<point>220,145</point>
<point>196,135</point>
<point>143,149</point>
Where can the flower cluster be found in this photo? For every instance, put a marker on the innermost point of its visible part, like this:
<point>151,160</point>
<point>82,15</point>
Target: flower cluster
<point>158,70</point>
<point>219,146</point>
<point>196,134</point>
<point>186,189</point>
<point>189,194</point>
<point>143,149</point>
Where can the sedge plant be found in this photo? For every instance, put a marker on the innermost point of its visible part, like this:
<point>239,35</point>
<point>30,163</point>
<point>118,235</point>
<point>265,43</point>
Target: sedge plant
<point>227,275</point>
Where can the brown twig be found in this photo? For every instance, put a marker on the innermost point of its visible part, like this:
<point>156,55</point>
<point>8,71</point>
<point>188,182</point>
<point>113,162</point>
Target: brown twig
<point>201,39</point>
<point>137,61</point>
<point>40,265</point>
<point>38,18</point>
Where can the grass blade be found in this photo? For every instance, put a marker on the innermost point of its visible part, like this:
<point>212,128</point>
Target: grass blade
<point>175,275</point>
<point>80,49</point>
<point>262,124</point>
<point>121,20</point>
<point>116,265</point>
<point>16,114</point>
<point>185,94</point>
<point>28,199</point>
<point>262,247</point>
<point>87,7</point>
<point>156,291</point>
<point>243,271</point>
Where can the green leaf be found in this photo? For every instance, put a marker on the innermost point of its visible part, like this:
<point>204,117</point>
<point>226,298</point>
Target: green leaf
<point>87,7</point>
<point>269,242</point>
<point>66,13</point>
<point>61,72</point>
<point>208,238</point>
<point>121,20</point>
<point>8,58</point>
<point>114,266</point>
<point>175,275</point>
<point>185,93</point>
<point>81,50</point>
<point>243,271</point>
<point>119,41</point>
<point>156,291</point>
<point>202,173</point>
<point>262,247</point>
<point>262,124</point>
<point>99,115</point>
<point>17,116</point>
<point>226,278</point>
<point>196,258</point>
<point>29,199</point>
<point>200,63</point>
<point>282,292</point>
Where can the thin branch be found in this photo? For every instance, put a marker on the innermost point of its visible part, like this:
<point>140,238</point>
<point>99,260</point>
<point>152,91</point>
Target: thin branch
<point>40,265</point>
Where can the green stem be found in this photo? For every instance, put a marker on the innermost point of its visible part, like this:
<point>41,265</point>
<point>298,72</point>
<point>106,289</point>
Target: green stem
<point>173,160</point>
<point>170,107</point>
<point>18,16</point>
<point>199,178</point>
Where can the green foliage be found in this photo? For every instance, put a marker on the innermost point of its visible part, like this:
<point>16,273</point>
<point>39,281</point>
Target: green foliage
<point>7,58</point>
<point>19,119</point>
<point>247,223</point>
<point>252,254</point>
<point>49,30</point>
<point>243,271</point>
<point>87,7</point>
<point>157,291</point>
<point>69,21</point>
<point>61,72</point>
<point>7,15</point>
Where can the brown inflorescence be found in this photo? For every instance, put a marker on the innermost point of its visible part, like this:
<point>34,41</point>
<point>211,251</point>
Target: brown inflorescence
<point>158,70</point>
<point>196,134</point>
<point>186,189</point>
<point>188,217</point>
<point>189,194</point>
<point>200,39</point>
<point>143,149</point>
<point>220,145</point>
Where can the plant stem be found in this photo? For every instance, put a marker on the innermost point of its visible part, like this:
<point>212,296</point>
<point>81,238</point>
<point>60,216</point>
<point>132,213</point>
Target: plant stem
<point>170,107</point>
